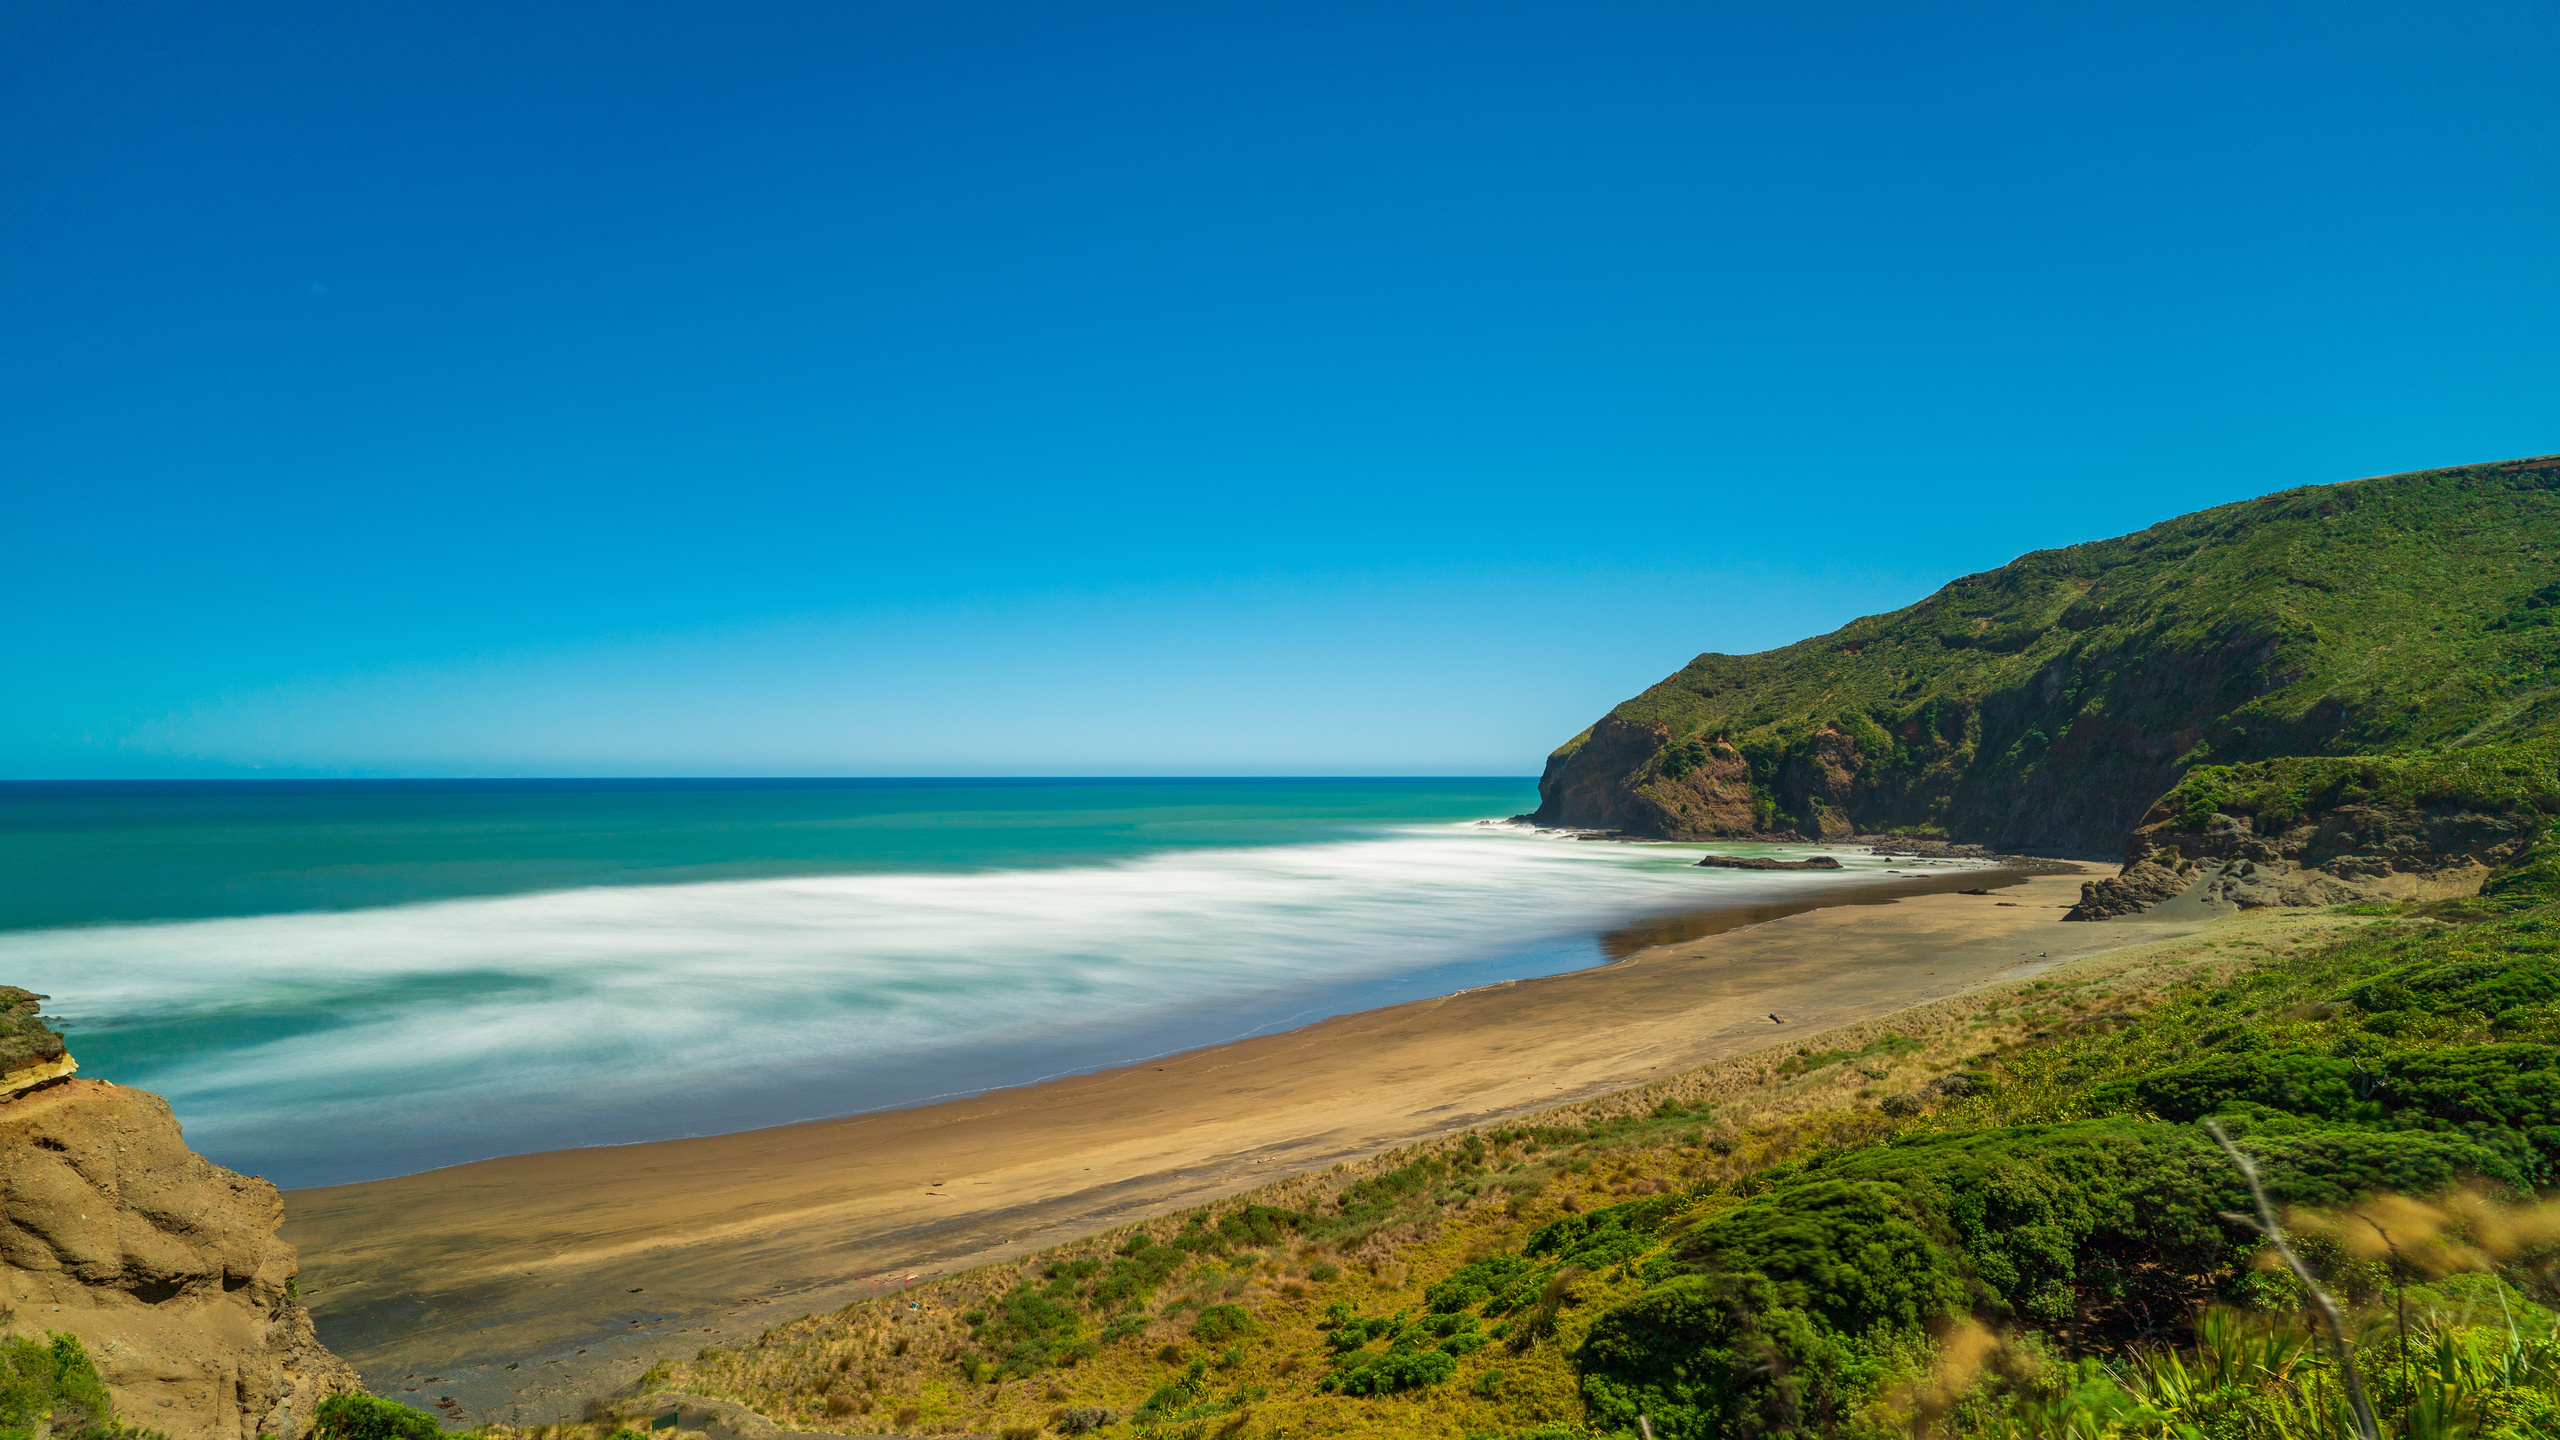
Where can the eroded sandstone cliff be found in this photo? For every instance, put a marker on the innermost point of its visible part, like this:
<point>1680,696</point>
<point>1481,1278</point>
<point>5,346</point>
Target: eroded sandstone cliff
<point>165,1265</point>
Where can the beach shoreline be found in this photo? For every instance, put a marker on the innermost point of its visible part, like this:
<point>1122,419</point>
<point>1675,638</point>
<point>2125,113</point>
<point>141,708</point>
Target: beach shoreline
<point>523,1285</point>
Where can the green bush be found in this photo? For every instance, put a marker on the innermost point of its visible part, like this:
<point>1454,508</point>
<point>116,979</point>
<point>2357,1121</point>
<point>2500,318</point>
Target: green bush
<point>363,1417</point>
<point>1221,1323</point>
<point>49,1385</point>
<point>1025,1330</point>
<point>1141,1266</point>
<point>1477,1282</point>
<point>1390,1371</point>
<point>1706,1356</point>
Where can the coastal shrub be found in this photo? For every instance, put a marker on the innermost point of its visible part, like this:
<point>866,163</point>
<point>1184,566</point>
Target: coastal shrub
<point>1140,1266</point>
<point>364,1417</point>
<point>1389,1371</point>
<point>50,1386</point>
<point>1260,1225</point>
<point>1065,1275</point>
<point>1221,1323</point>
<point>1705,1356</point>
<point>1601,1237</point>
<point>1345,1329</point>
<point>1477,1282</point>
<point>1677,760</point>
<point>1173,1394</point>
<point>1026,1329</point>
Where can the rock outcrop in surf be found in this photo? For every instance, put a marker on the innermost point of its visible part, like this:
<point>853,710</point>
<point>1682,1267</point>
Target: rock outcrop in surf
<point>1763,862</point>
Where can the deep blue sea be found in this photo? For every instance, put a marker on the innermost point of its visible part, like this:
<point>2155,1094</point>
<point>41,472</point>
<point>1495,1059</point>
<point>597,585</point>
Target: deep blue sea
<point>337,981</point>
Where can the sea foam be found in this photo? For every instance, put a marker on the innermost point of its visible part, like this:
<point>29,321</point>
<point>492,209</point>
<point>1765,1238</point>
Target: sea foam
<point>323,1047</point>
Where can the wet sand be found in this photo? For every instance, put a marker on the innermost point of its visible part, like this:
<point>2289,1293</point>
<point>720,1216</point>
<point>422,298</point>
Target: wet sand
<point>580,1267</point>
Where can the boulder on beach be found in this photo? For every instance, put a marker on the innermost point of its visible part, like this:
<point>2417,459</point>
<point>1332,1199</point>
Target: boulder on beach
<point>1762,862</point>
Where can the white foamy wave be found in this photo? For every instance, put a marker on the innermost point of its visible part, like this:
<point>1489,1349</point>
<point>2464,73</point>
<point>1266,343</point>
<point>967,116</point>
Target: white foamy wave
<point>326,1046</point>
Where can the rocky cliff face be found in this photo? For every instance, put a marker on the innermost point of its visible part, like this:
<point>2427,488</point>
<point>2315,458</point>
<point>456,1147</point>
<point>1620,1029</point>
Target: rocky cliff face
<point>2333,856</point>
<point>165,1265</point>
<point>1708,793</point>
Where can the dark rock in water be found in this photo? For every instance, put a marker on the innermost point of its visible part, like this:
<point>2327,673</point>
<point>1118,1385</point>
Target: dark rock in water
<point>1757,862</point>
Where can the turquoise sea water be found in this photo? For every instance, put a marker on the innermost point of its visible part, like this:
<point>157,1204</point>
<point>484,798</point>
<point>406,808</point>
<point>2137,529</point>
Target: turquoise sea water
<point>341,980</point>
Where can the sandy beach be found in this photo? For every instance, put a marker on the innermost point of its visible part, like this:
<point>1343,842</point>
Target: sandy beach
<point>522,1285</point>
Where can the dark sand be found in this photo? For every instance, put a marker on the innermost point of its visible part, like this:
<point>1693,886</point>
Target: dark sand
<point>580,1267</point>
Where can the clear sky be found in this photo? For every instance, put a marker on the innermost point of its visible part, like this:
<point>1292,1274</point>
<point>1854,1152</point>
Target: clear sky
<point>952,388</point>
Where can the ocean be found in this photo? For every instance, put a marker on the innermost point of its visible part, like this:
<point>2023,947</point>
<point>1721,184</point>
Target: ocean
<point>338,981</point>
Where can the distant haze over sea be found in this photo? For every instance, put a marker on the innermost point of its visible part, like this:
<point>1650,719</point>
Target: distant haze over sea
<point>342,980</point>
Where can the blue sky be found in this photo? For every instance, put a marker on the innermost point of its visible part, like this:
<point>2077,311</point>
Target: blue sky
<point>972,388</point>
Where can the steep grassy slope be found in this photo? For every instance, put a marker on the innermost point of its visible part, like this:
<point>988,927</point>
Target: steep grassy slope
<point>2048,703</point>
<point>1931,1224</point>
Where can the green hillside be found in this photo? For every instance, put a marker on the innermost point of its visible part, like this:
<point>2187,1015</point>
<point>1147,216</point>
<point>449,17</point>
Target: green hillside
<point>2048,703</point>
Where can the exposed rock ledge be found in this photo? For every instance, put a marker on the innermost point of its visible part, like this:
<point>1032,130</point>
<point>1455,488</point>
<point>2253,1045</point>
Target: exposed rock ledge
<point>1763,862</point>
<point>31,1054</point>
<point>165,1265</point>
<point>2345,855</point>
